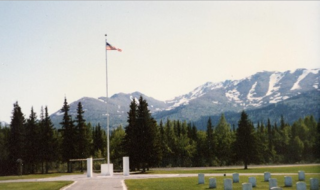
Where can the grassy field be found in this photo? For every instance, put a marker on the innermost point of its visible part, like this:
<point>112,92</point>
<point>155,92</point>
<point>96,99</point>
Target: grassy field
<point>291,169</point>
<point>35,185</point>
<point>191,183</point>
<point>34,176</point>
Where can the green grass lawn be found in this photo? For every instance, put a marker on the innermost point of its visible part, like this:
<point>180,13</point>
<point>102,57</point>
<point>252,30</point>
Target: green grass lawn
<point>34,176</point>
<point>191,183</point>
<point>56,185</point>
<point>293,169</point>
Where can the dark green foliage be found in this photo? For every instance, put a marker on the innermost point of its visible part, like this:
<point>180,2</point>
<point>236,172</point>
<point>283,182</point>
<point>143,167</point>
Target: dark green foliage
<point>246,144</point>
<point>143,132</point>
<point>48,149</point>
<point>83,134</point>
<point>99,141</point>
<point>16,144</point>
<point>69,136</point>
<point>32,144</point>
<point>210,143</point>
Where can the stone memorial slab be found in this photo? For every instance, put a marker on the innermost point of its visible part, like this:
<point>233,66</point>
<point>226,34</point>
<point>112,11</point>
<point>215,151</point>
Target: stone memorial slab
<point>246,186</point>
<point>301,176</point>
<point>253,181</point>
<point>107,169</point>
<point>273,183</point>
<point>126,169</point>
<point>301,186</point>
<point>200,178</point>
<point>267,176</point>
<point>212,183</point>
<point>287,181</point>
<point>314,184</point>
<point>227,184</point>
<point>235,178</point>
<point>89,167</point>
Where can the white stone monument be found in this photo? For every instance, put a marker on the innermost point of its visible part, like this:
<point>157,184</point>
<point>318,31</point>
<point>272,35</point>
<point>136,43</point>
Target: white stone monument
<point>89,167</point>
<point>126,168</point>
<point>235,177</point>
<point>246,186</point>
<point>200,178</point>
<point>287,181</point>
<point>314,184</point>
<point>212,183</point>
<point>272,183</point>
<point>227,184</point>
<point>107,170</point>
<point>267,176</point>
<point>301,186</point>
<point>253,181</point>
<point>301,176</point>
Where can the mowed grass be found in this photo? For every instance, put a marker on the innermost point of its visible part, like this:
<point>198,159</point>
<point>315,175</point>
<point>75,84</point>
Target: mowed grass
<point>288,169</point>
<point>55,185</point>
<point>191,183</point>
<point>35,176</point>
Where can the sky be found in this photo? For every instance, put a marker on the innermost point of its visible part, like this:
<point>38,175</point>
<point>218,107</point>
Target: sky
<point>50,50</point>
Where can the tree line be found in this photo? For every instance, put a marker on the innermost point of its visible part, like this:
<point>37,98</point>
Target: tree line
<point>170,143</point>
<point>41,147</point>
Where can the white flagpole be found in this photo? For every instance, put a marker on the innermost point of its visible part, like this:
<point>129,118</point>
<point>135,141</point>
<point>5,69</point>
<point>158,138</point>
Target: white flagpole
<point>108,149</point>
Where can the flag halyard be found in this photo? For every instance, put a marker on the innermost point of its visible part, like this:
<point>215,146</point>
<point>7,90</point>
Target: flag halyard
<point>110,47</point>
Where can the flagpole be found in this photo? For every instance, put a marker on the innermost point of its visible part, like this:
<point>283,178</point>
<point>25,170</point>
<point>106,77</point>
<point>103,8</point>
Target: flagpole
<point>108,147</point>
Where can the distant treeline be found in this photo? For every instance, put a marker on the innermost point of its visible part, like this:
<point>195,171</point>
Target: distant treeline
<point>170,143</point>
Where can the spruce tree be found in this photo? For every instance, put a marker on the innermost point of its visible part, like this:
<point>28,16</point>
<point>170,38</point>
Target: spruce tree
<point>245,145</point>
<point>68,136</point>
<point>83,136</point>
<point>32,145</point>
<point>49,146</point>
<point>130,145</point>
<point>16,144</point>
<point>210,143</point>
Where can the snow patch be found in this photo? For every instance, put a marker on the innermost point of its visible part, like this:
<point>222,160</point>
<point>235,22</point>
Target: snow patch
<point>58,113</point>
<point>252,92</point>
<point>296,85</point>
<point>273,81</point>
<point>233,95</point>
<point>215,102</point>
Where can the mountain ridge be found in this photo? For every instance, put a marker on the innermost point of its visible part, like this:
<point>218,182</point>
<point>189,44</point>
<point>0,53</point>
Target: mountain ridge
<point>253,92</point>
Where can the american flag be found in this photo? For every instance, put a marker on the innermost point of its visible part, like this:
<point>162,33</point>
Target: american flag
<point>110,47</point>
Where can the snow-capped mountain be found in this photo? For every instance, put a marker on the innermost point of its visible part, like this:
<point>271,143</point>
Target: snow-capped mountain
<point>257,90</point>
<point>254,92</point>
<point>118,105</point>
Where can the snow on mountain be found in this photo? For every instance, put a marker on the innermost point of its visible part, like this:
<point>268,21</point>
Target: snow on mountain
<point>296,85</point>
<point>256,90</point>
<point>273,82</point>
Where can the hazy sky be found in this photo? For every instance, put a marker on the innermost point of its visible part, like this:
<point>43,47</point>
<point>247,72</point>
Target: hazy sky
<point>49,50</point>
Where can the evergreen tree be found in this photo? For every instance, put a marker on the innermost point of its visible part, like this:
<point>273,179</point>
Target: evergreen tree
<point>16,144</point>
<point>224,141</point>
<point>210,143</point>
<point>99,141</point>
<point>49,147</point>
<point>131,135</point>
<point>32,145</point>
<point>68,136</point>
<point>245,145</point>
<point>83,135</point>
<point>148,137</point>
